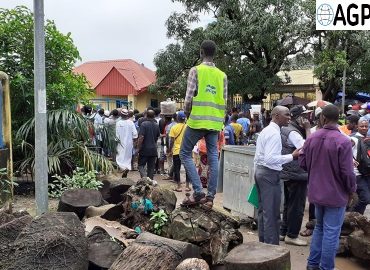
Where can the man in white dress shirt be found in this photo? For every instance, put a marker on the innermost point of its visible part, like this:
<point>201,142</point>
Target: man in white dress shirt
<point>268,162</point>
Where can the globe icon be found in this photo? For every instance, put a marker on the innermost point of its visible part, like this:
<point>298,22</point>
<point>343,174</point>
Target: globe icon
<point>325,14</point>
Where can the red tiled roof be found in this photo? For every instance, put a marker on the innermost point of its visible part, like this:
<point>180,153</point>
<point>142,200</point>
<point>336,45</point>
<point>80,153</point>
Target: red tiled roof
<point>136,74</point>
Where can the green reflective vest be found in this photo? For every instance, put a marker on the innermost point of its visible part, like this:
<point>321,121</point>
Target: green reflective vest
<point>208,107</point>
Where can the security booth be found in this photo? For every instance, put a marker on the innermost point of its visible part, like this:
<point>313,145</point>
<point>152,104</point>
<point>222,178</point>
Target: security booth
<point>6,162</point>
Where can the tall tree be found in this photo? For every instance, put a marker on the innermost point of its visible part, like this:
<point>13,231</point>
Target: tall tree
<point>338,50</point>
<point>254,38</point>
<point>334,51</point>
<point>64,88</point>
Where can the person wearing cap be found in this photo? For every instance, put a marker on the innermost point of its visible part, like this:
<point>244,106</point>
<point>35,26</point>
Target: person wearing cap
<point>327,157</point>
<point>176,135</point>
<point>205,102</point>
<point>294,178</point>
<point>126,134</point>
<point>268,163</point>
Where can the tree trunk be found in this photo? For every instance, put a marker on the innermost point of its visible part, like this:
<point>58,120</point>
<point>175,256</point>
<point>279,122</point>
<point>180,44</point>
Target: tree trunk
<point>77,200</point>
<point>258,256</point>
<point>10,231</point>
<point>103,251</point>
<point>193,263</point>
<point>52,241</point>
<point>151,252</point>
<point>114,187</point>
<point>116,230</point>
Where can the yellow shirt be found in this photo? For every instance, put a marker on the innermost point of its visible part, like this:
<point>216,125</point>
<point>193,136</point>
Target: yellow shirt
<point>177,131</point>
<point>238,129</point>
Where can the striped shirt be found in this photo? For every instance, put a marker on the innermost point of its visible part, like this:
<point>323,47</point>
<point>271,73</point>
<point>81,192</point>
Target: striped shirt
<point>192,87</point>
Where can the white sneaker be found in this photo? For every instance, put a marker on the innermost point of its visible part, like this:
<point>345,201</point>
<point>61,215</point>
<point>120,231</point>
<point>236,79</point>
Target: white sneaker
<point>295,241</point>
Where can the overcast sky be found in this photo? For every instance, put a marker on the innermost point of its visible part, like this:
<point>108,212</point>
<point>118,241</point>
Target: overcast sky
<point>111,29</point>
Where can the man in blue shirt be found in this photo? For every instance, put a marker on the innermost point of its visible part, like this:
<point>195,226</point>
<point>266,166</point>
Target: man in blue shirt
<point>245,122</point>
<point>229,132</point>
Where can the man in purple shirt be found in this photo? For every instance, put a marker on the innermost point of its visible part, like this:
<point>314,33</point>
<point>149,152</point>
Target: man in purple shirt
<point>327,157</point>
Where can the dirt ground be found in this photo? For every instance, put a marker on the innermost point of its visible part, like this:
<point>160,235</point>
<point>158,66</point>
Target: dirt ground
<point>298,254</point>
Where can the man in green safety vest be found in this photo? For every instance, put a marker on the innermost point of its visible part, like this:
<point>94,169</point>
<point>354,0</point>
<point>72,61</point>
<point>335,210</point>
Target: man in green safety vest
<point>204,105</point>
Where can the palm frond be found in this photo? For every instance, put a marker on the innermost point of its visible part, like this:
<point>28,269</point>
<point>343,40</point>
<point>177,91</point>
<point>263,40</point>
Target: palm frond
<point>92,160</point>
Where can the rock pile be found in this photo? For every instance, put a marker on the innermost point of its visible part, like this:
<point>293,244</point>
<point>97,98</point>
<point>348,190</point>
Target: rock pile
<point>355,236</point>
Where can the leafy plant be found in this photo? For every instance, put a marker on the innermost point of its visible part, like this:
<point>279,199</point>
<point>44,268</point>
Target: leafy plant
<point>79,179</point>
<point>69,145</point>
<point>159,219</point>
<point>6,186</point>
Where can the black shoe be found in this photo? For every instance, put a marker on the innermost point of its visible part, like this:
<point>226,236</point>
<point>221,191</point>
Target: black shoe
<point>124,174</point>
<point>312,267</point>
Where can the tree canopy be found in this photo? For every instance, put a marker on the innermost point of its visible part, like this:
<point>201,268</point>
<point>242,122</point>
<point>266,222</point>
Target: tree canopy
<point>258,38</point>
<point>254,39</point>
<point>64,88</point>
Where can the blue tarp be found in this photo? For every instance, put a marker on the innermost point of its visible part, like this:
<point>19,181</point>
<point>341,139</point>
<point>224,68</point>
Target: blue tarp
<point>360,96</point>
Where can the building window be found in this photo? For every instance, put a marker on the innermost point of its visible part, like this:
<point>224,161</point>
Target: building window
<point>154,103</point>
<point>121,103</point>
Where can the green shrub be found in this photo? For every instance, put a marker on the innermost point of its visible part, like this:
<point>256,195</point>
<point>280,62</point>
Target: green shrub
<point>79,179</point>
<point>159,219</point>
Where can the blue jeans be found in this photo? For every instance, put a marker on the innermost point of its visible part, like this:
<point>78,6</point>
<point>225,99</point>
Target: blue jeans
<point>325,239</point>
<point>191,137</point>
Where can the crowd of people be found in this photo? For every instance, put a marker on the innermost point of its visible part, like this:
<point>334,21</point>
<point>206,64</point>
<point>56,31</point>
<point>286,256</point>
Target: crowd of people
<point>304,153</point>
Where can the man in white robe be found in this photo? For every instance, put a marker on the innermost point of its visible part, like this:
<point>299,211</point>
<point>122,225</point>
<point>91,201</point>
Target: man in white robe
<point>127,134</point>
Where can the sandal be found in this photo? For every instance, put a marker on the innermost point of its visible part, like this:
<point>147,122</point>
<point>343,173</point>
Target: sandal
<point>177,189</point>
<point>187,189</point>
<point>306,232</point>
<point>192,200</point>
<point>207,203</point>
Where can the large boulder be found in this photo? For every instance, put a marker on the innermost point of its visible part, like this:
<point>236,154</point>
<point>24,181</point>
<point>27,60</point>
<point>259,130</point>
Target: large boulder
<point>77,200</point>
<point>359,245</point>
<point>258,256</point>
<point>349,223</point>
<point>51,241</point>
<point>359,240</point>
<point>214,231</point>
<point>103,249</point>
<point>343,247</point>
<point>152,252</point>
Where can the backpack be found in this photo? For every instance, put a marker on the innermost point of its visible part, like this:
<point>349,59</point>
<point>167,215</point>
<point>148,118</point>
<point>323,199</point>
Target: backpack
<point>363,155</point>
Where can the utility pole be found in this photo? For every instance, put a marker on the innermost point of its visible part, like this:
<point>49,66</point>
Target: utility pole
<point>41,158</point>
<point>344,80</point>
<point>344,89</point>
